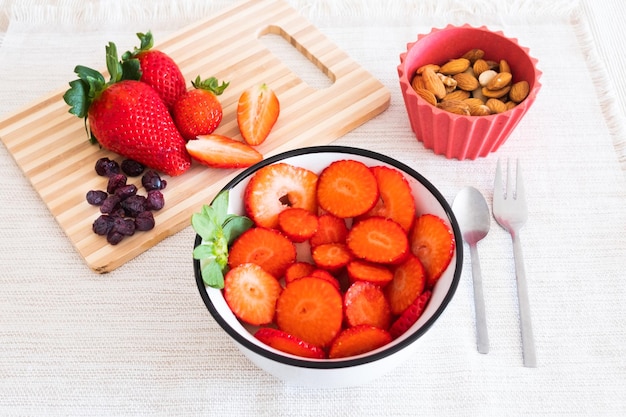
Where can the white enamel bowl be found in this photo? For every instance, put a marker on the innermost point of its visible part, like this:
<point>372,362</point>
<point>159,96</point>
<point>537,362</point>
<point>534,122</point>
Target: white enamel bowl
<point>355,370</point>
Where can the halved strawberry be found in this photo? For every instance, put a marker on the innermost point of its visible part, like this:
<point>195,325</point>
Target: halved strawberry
<point>257,111</point>
<point>409,281</point>
<point>432,242</point>
<point>378,274</point>
<point>289,343</point>
<point>219,151</point>
<point>251,293</point>
<point>377,239</point>
<point>331,256</point>
<point>297,270</point>
<point>297,224</point>
<point>276,187</point>
<point>365,303</point>
<point>330,229</point>
<point>410,315</point>
<point>311,309</point>
<point>267,248</point>
<point>347,188</point>
<point>357,340</point>
<point>396,199</point>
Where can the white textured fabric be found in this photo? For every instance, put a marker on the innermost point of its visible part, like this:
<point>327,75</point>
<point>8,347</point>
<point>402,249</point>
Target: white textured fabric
<point>139,341</point>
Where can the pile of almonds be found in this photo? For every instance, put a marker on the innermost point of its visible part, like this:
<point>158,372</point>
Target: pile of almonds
<point>470,85</point>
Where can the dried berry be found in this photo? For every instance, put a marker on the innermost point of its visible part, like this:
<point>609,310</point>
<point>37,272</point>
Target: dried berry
<point>151,180</point>
<point>124,226</point>
<point>116,181</point>
<point>102,225</point>
<point>106,167</point>
<point>134,205</point>
<point>132,168</point>
<point>126,191</point>
<point>155,200</point>
<point>96,197</point>
<point>110,204</point>
<point>114,237</point>
<point>144,221</point>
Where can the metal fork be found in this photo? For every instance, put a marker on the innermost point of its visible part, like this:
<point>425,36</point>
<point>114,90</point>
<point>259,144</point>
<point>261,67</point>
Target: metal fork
<point>509,209</point>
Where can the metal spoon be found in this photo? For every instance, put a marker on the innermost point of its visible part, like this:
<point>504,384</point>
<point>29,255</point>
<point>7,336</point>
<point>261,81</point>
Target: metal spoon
<point>472,213</point>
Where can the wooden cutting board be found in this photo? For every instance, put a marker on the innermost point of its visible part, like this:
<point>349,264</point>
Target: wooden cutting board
<point>51,147</point>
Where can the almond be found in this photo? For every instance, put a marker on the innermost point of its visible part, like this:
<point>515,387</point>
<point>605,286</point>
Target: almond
<point>519,91</point>
<point>457,95</point>
<point>499,81</point>
<point>482,110</point>
<point>455,106</point>
<point>434,67</point>
<point>433,83</point>
<point>510,104</point>
<point>473,55</point>
<point>504,66</point>
<point>455,66</point>
<point>496,93</point>
<point>466,81</point>
<point>426,95</point>
<point>496,106</point>
<point>417,82</point>
<point>480,66</point>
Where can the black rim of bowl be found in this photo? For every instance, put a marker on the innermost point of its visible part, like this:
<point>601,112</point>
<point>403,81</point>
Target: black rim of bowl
<point>339,363</point>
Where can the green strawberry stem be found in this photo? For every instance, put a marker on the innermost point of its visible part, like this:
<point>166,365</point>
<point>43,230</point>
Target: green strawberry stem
<point>210,84</point>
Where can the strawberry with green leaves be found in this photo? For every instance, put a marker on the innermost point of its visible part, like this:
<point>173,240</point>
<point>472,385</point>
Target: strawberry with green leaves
<point>198,111</point>
<point>127,116</point>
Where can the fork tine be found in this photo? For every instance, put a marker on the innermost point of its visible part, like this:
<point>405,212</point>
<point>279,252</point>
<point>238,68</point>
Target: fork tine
<point>509,180</point>
<point>520,193</point>
<point>497,186</point>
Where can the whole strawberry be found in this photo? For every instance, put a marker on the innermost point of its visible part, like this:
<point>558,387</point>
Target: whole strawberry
<point>127,116</point>
<point>157,69</point>
<point>198,111</point>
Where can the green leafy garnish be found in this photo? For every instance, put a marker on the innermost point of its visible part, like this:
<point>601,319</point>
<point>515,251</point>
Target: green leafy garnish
<point>218,230</point>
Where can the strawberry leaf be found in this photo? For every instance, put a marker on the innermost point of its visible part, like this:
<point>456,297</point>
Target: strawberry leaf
<point>213,276</point>
<point>235,227</point>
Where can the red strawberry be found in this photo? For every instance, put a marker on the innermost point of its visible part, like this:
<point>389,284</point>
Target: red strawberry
<point>251,293</point>
<point>157,70</point>
<point>377,239</point>
<point>128,117</point>
<point>311,309</point>
<point>298,270</point>
<point>347,188</point>
<point>288,343</point>
<point>198,111</point>
<point>396,199</point>
<point>267,248</point>
<point>331,256</point>
<point>219,151</point>
<point>325,275</point>
<point>297,224</point>
<point>330,229</point>
<point>276,187</point>
<point>366,271</point>
<point>257,111</point>
<point>410,315</point>
<point>357,340</point>
<point>432,242</point>
<point>365,303</point>
<point>409,280</point>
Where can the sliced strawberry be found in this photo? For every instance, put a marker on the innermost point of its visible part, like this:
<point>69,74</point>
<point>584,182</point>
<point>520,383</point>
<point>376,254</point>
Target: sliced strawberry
<point>331,256</point>
<point>396,199</point>
<point>297,224</point>
<point>325,275</point>
<point>377,239</point>
<point>276,187</point>
<point>219,151</point>
<point>432,242</point>
<point>289,343</point>
<point>267,248</point>
<point>330,229</point>
<point>298,270</point>
<point>257,111</point>
<point>378,274</point>
<point>410,315</point>
<point>251,293</point>
<point>347,188</point>
<point>311,309</point>
<point>409,281</point>
<point>365,303</point>
<point>357,340</point>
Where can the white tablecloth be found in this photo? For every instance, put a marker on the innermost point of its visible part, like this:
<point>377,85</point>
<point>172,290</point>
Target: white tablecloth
<point>139,341</point>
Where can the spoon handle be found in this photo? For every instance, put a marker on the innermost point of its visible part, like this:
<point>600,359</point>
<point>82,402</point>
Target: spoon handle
<point>482,338</point>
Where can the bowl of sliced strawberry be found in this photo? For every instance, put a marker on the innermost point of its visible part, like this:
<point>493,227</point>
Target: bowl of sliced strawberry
<point>325,265</point>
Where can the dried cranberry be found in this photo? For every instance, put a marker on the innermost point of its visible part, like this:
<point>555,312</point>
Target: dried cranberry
<point>114,237</point>
<point>110,204</point>
<point>96,197</point>
<point>155,200</point>
<point>102,225</point>
<point>151,180</point>
<point>134,205</point>
<point>116,181</point>
<point>144,221</point>
<point>124,226</point>
<point>106,167</point>
<point>126,191</point>
<point>132,168</point>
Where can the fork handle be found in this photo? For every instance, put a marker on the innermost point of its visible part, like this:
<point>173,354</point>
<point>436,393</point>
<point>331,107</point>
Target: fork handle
<point>482,337</point>
<point>528,342</point>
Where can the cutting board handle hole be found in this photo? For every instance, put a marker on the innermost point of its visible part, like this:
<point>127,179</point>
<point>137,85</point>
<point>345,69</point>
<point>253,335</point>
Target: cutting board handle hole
<point>294,55</point>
